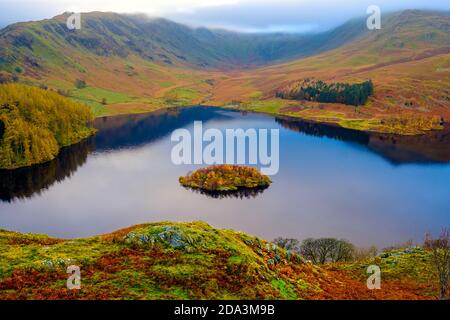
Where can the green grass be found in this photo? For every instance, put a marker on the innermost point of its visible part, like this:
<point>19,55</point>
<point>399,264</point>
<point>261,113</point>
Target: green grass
<point>97,108</point>
<point>404,125</point>
<point>164,260</point>
<point>412,263</point>
<point>164,84</point>
<point>97,94</point>
<point>286,290</point>
<point>181,96</point>
<point>271,106</point>
<point>171,260</point>
<point>40,252</point>
<point>93,97</point>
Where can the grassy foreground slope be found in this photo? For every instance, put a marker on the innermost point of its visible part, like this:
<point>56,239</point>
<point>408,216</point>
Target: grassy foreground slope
<point>35,124</point>
<point>170,260</point>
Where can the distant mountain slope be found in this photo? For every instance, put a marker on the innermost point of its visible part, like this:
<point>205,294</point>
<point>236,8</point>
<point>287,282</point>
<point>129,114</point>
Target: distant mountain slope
<point>43,44</point>
<point>405,36</point>
<point>411,36</point>
<point>408,61</point>
<point>131,63</point>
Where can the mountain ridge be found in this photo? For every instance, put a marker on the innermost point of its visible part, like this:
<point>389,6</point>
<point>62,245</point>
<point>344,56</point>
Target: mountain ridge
<point>161,40</point>
<point>133,64</point>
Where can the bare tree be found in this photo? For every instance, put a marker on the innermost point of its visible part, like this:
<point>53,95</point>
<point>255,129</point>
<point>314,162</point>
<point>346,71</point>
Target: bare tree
<point>342,251</point>
<point>324,250</point>
<point>440,249</point>
<point>287,243</point>
<point>364,253</point>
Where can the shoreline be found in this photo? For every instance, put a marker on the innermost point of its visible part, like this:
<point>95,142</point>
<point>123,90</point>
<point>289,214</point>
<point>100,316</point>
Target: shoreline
<point>287,116</point>
<point>90,135</point>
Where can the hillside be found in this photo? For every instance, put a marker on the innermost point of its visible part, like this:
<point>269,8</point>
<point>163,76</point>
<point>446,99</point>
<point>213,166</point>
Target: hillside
<point>408,61</point>
<point>47,44</point>
<point>35,124</point>
<point>170,260</point>
<point>135,64</point>
<point>131,63</point>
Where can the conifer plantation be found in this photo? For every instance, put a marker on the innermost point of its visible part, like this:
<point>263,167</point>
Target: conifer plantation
<point>317,90</point>
<point>36,123</point>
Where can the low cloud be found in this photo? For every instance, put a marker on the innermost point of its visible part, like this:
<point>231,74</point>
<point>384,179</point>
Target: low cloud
<point>241,15</point>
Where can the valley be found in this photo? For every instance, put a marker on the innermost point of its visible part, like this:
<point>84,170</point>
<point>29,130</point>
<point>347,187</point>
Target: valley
<point>408,61</point>
<point>112,126</point>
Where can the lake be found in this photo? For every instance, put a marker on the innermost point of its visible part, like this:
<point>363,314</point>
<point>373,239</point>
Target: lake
<point>372,189</point>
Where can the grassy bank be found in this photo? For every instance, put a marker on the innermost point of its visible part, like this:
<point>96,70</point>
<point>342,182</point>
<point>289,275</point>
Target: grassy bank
<point>352,118</point>
<point>171,260</point>
<point>344,116</point>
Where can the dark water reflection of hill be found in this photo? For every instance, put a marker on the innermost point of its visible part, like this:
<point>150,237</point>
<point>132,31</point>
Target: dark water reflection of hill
<point>124,131</point>
<point>26,182</point>
<point>131,131</point>
<point>430,148</point>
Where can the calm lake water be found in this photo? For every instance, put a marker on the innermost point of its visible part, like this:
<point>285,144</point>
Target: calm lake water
<point>367,188</point>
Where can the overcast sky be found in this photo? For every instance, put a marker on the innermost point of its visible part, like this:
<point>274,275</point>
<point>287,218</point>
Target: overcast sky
<point>240,15</point>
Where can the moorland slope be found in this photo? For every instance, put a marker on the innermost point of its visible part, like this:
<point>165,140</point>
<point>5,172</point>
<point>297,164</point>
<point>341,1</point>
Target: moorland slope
<point>136,64</point>
<point>169,260</point>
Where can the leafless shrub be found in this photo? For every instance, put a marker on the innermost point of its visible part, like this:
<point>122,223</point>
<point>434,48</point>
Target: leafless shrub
<point>440,249</point>
<point>287,243</point>
<point>324,250</point>
<point>361,254</point>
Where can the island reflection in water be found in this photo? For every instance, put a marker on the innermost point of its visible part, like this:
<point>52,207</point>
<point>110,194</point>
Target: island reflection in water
<point>333,182</point>
<point>130,131</point>
<point>114,133</point>
<point>238,194</point>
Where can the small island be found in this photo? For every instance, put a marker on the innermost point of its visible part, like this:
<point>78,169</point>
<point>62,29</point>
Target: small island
<point>225,179</point>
